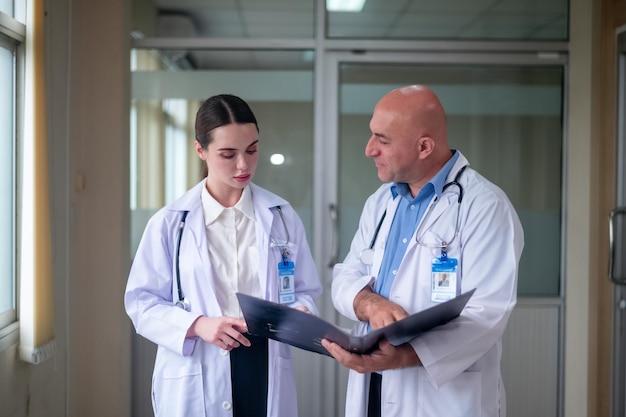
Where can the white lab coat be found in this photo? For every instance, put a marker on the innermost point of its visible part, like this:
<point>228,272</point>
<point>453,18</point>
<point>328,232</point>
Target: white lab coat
<point>460,376</point>
<point>192,378</point>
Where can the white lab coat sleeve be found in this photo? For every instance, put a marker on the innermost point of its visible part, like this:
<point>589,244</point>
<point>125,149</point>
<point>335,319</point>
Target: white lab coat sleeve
<point>491,246</point>
<point>351,275</point>
<point>148,297</point>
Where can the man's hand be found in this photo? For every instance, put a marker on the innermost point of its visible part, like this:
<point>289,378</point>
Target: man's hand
<point>377,310</point>
<point>385,357</point>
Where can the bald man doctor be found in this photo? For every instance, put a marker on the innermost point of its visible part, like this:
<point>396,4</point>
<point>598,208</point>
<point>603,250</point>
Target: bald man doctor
<point>444,230</point>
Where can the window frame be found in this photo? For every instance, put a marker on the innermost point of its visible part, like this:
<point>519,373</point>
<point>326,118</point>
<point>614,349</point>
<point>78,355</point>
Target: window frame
<point>12,37</point>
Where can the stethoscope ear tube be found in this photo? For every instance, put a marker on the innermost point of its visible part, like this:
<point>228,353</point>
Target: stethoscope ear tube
<point>367,255</point>
<point>456,182</point>
<point>182,301</point>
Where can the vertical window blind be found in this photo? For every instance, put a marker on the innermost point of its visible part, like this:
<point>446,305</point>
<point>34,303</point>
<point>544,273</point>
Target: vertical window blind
<point>37,341</point>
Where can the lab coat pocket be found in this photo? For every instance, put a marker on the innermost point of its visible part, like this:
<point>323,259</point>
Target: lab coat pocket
<point>179,391</point>
<point>282,389</point>
<point>460,397</point>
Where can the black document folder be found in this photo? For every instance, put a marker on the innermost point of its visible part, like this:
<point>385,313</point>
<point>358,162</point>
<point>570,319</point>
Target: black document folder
<point>306,331</point>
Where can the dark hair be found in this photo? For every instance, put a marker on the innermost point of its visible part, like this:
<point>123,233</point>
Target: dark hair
<point>221,110</point>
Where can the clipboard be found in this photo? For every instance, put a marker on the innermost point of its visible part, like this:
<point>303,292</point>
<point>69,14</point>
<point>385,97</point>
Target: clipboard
<point>306,331</point>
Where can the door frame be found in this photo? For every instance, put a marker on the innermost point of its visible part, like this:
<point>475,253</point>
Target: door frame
<point>326,162</point>
<point>618,368</point>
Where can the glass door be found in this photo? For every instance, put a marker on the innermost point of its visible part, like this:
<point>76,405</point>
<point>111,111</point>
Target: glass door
<point>505,115</point>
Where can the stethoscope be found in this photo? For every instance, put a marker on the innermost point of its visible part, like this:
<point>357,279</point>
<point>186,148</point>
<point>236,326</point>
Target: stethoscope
<point>283,245</point>
<point>182,301</point>
<point>367,255</point>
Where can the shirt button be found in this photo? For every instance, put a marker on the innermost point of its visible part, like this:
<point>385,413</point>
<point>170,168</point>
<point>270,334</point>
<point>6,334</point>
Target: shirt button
<point>226,405</point>
<point>412,206</point>
<point>395,271</point>
<point>223,352</point>
<point>404,240</point>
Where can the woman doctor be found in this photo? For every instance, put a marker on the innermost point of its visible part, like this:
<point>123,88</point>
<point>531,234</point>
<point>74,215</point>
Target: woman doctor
<point>225,235</point>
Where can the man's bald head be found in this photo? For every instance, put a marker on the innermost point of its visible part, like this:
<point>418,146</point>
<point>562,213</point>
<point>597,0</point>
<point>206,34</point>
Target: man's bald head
<point>421,109</point>
<point>409,141</point>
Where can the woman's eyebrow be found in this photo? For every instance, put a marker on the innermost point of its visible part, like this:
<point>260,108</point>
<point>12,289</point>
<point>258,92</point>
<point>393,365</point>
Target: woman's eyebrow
<point>234,149</point>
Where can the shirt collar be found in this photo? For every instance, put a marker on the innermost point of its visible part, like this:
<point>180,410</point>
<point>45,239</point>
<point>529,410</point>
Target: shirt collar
<point>436,183</point>
<point>245,203</point>
<point>212,208</point>
<point>439,180</point>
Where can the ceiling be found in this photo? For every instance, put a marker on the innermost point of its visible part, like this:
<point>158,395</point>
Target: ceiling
<point>504,20</point>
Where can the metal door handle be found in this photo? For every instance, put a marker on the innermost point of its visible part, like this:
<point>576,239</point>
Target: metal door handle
<point>334,251</point>
<point>617,246</point>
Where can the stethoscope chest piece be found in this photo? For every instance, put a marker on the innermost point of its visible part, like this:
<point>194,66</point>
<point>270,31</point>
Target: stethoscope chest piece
<point>184,304</point>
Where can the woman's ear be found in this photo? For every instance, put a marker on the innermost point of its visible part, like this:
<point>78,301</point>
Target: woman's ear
<point>199,150</point>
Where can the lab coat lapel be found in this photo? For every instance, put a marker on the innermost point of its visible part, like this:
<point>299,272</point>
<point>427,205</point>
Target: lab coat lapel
<point>194,244</point>
<point>436,208</point>
<point>265,214</point>
<point>433,212</point>
<point>263,226</point>
<point>197,229</point>
<point>381,240</point>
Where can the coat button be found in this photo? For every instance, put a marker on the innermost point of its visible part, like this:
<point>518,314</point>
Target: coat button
<point>226,405</point>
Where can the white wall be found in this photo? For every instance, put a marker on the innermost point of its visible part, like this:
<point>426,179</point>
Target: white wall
<point>98,115</point>
<point>88,98</point>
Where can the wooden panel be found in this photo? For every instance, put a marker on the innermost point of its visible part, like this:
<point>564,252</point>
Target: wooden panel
<point>604,119</point>
<point>620,13</point>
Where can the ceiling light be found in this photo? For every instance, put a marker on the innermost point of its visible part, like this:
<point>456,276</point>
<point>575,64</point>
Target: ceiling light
<point>344,5</point>
<point>277,159</point>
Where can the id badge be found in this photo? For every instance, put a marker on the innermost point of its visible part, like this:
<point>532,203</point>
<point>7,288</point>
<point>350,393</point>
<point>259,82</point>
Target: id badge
<point>443,279</point>
<point>286,284</point>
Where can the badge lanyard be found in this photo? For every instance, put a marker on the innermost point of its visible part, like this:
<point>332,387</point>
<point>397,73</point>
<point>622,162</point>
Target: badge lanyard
<point>443,278</point>
<point>444,283</point>
<point>286,268</point>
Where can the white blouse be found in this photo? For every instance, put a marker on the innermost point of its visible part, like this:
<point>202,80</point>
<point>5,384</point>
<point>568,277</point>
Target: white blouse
<point>232,249</point>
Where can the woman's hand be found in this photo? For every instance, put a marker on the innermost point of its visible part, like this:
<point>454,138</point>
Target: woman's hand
<point>303,309</point>
<point>224,332</point>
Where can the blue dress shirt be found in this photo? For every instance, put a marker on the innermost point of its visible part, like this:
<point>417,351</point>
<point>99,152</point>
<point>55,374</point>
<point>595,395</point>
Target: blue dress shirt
<point>408,215</point>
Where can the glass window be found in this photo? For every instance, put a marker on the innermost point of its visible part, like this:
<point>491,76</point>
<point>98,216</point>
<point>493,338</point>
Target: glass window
<point>371,19</point>
<point>7,182</point>
<point>15,9</point>
<point>166,94</point>
<point>6,6</point>
<point>452,19</point>
<point>506,120</point>
<point>250,19</point>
